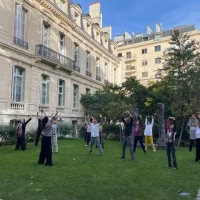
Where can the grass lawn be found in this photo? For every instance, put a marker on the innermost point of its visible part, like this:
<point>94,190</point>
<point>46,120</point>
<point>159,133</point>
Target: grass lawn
<point>78,176</point>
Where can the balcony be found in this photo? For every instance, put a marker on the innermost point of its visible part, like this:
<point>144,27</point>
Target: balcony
<point>20,43</point>
<point>98,78</point>
<point>131,57</point>
<point>55,58</point>
<point>88,74</point>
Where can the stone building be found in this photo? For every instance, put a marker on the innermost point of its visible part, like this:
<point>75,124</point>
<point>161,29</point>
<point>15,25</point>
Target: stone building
<point>50,54</point>
<point>142,55</point>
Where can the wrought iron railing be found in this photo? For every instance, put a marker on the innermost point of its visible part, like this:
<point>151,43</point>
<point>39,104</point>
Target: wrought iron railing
<point>20,43</point>
<point>98,78</point>
<point>46,52</point>
<point>88,74</point>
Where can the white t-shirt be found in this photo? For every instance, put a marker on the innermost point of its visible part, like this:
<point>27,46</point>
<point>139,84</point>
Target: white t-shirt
<point>89,127</point>
<point>197,132</point>
<point>148,128</point>
<point>94,130</point>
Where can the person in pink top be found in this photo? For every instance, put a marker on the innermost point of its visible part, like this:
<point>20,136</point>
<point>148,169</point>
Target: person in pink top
<point>137,132</point>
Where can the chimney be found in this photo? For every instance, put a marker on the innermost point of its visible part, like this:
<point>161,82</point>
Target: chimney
<point>149,30</point>
<point>95,13</point>
<point>158,27</point>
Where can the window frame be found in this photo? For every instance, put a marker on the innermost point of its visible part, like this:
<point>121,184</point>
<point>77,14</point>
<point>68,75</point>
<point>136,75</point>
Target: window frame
<point>144,51</point>
<point>157,48</point>
<point>46,98</point>
<point>158,59</point>
<point>62,104</point>
<point>75,92</point>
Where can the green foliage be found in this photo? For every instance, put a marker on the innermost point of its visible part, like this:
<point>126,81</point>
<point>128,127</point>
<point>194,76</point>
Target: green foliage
<point>7,133</point>
<point>66,129</point>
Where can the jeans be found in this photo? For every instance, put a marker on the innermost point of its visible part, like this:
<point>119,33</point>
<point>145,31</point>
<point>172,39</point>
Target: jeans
<point>171,152</point>
<point>128,140</point>
<point>95,140</point>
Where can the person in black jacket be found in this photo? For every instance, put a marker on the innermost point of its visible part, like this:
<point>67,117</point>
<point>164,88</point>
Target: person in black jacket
<point>171,133</point>
<point>128,139</point>
<point>21,129</point>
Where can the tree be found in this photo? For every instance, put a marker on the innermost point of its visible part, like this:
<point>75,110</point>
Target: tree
<point>182,66</point>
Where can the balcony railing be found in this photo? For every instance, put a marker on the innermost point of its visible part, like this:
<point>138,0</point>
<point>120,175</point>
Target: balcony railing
<point>98,78</point>
<point>88,74</point>
<point>20,43</point>
<point>50,54</point>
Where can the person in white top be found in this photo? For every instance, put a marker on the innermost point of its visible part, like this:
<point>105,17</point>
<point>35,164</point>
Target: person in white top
<point>94,135</point>
<point>148,133</point>
<point>54,137</point>
<point>197,143</point>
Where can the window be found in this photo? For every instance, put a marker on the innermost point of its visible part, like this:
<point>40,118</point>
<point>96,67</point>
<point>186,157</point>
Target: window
<point>144,74</point>
<point>98,36</point>
<point>20,19</point>
<point>88,61</point>
<point>119,55</point>
<point>62,43</point>
<point>76,15</point>
<point>128,55</point>
<point>130,42</point>
<point>157,48</point>
<point>157,37</point>
<point>61,92</point>
<point>44,90</point>
<point>129,68</point>
<point>157,60</point>
<point>76,54</point>
<point>144,62</point>
<point>45,35</point>
<point>98,67</point>
<point>106,71</point>
<point>144,51</point>
<point>75,96</point>
<point>18,84</point>
<point>88,91</point>
<point>145,39</point>
<point>115,75</point>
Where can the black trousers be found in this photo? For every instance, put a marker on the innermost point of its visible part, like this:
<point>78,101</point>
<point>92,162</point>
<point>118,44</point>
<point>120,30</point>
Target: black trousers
<point>21,143</point>
<point>46,151</point>
<point>37,137</point>
<point>88,137</point>
<point>191,144</point>
<point>128,141</point>
<point>171,152</point>
<point>85,137</point>
<point>140,139</point>
<point>197,149</point>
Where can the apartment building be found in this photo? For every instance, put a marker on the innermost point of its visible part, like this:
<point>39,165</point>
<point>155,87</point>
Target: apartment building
<point>142,55</point>
<point>50,54</point>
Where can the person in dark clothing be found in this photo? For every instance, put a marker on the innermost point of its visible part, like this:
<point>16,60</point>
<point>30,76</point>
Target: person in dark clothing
<point>127,139</point>
<point>46,147</point>
<point>171,143</point>
<point>137,132</point>
<point>21,129</point>
<point>40,117</point>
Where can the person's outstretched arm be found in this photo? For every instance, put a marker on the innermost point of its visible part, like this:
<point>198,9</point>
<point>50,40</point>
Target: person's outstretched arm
<point>28,121</point>
<point>145,121</point>
<point>152,122</point>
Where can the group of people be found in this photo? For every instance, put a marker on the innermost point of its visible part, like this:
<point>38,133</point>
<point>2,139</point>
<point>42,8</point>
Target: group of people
<point>133,131</point>
<point>194,125</point>
<point>47,128</point>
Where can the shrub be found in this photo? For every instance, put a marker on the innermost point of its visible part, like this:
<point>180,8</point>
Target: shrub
<point>66,129</point>
<point>31,135</point>
<point>7,133</point>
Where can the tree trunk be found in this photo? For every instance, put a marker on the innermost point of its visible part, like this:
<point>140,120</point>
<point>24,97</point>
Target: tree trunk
<point>179,140</point>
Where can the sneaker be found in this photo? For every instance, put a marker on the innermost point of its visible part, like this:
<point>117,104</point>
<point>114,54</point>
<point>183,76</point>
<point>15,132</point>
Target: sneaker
<point>101,155</point>
<point>175,167</point>
<point>86,145</point>
<point>122,157</point>
<point>169,166</point>
<point>154,150</point>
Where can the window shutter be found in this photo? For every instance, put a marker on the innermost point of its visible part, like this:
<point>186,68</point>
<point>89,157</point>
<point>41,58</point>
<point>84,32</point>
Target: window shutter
<point>78,56</point>
<point>41,78</point>
<point>64,93</point>
<point>49,37</point>
<point>58,91</point>
<point>47,101</point>
<point>23,85</point>
<point>13,85</point>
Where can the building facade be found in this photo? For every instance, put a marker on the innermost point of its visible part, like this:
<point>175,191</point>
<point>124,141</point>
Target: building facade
<point>50,54</point>
<point>142,55</point>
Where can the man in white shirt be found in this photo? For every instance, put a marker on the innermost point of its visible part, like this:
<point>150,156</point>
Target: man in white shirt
<point>148,133</point>
<point>94,136</point>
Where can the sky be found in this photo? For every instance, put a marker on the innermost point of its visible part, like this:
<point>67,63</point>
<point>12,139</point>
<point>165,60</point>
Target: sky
<point>135,15</point>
